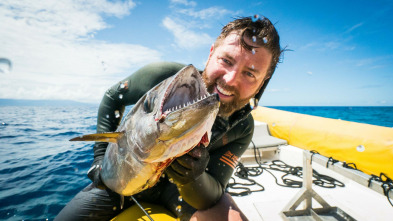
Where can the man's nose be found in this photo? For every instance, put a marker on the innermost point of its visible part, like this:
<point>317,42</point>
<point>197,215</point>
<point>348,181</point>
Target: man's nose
<point>231,77</point>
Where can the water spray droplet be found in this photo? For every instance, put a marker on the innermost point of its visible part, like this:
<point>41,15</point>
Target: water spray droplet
<point>252,67</point>
<point>107,116</point>
<point>104,66</point>
<point>120,96</point>
<point>178,208</point>
<point>117,114</point>
<point>265,40</point>
<point>180,198</point>
<point>253,51</point>
<point>360,148</point>
<point>114,208</point>
<point>122,85</point>
<point>255,18</point>
<point>254,39</point>
<point>5,66</point>
<point>171,180</point>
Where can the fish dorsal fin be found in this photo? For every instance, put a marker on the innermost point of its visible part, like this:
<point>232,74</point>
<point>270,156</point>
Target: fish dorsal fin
<point>103,137</point>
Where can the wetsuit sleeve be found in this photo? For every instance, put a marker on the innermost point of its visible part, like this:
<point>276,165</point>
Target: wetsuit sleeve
<point>128,92</point>
<point>224,156</point>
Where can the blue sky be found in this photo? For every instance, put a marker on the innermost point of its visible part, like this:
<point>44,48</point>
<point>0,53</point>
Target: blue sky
<point>341,52</point>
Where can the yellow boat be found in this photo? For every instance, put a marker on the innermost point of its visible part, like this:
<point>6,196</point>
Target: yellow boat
<point>289,137</point>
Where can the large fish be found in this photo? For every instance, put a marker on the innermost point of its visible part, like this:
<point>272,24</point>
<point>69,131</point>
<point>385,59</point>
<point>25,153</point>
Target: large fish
<point>167,122</point>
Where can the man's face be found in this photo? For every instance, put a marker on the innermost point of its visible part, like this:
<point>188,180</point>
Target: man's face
<point>235,73</point>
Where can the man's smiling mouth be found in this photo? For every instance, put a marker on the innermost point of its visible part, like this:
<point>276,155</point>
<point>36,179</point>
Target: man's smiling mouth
<point>223,91</point>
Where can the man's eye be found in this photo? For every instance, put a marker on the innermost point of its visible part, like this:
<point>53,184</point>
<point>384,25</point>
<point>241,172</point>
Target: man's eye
<point>226,61</point>
<point>249,74</point>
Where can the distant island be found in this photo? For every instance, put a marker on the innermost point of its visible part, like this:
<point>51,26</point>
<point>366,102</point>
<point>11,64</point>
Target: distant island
<point>23,102</point>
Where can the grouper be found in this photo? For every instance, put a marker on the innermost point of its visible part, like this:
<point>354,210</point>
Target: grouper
<point>168,121</point>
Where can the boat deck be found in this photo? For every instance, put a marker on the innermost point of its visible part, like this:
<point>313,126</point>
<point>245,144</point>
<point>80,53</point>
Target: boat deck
<point>358,201</point>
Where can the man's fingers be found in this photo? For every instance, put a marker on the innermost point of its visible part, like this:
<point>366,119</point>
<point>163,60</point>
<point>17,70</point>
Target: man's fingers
<point>179,168</point>
<point>186,161</point>
<point>198,152</point>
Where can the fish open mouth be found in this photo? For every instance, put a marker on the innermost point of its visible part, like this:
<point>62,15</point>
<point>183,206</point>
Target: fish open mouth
<point>186,89</point>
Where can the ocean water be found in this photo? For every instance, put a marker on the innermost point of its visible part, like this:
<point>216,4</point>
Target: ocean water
<point>40,170</point>
<point>380,116</point>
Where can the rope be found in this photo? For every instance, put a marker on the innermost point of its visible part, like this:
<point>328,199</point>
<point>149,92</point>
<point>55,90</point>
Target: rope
<point>290,172</point>
<point>350,165</point>
<point>243,173</point>
<point>331,159</point>
<point>387,185</point>
<point>292,177</point>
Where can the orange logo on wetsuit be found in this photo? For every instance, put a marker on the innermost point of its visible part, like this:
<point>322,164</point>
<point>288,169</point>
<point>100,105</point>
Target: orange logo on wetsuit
<point>230,159</point>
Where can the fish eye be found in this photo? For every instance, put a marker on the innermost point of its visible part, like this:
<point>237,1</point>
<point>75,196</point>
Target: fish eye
<point>148,104</point>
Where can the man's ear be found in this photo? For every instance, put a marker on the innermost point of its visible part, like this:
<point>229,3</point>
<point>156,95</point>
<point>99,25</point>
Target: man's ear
<point>211,50</point>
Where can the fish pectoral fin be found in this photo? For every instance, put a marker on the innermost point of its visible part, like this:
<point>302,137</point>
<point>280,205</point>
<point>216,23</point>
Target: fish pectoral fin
<point>103,137</point>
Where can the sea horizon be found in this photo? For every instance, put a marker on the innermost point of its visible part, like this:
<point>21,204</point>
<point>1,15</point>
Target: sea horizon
<point>49,102</point>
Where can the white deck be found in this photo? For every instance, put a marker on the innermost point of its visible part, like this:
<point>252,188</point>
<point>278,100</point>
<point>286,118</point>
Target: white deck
<point>356,200</point>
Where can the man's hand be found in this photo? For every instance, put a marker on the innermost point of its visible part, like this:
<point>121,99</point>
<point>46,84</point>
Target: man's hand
<point>189,167</point>
<point>94,175</point>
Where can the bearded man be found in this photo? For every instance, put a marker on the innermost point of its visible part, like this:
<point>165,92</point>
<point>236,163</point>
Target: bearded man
<point>240,64</point>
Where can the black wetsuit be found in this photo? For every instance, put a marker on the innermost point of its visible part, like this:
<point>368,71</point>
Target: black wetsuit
<point>230,138</point>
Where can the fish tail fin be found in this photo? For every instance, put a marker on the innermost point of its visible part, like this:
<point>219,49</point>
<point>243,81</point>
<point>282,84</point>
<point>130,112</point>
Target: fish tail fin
<point>103,137</point>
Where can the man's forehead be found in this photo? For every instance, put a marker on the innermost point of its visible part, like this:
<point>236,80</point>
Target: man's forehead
<point>234,38</point>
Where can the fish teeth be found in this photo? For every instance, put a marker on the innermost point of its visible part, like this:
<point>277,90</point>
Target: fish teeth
<point>188,103</point>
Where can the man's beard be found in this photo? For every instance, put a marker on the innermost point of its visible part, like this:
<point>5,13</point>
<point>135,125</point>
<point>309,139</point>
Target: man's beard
<point>226,108</point>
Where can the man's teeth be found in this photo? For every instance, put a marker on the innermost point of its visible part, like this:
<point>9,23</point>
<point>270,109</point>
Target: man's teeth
<point>223,91</point>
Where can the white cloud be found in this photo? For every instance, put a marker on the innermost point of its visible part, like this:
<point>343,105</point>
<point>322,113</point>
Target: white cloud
<point>354,27</point>
<point>332,45</point>
<point>185,22</point>
<point>186,38</point>
<point>205,13</point>
<point>54,55</point>
<point>308,46</point>
<point>184,2</point>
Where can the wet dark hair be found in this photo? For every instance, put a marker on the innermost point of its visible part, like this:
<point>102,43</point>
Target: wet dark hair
<point>259,30</point>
